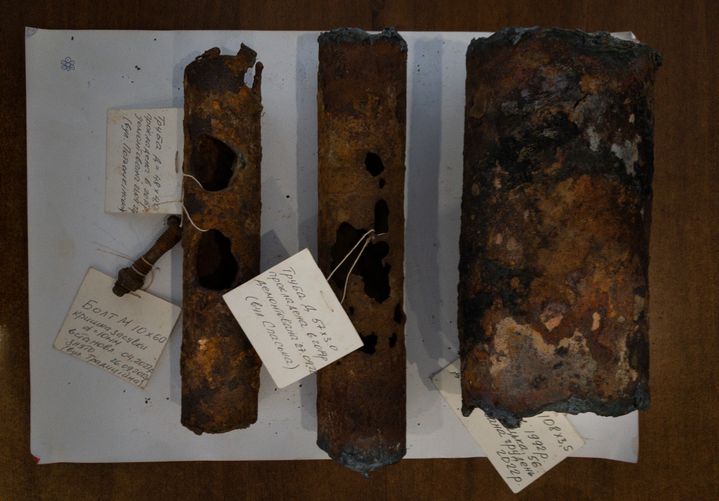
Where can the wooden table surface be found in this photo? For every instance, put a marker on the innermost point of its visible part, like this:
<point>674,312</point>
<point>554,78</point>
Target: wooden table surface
<point>679,439</point>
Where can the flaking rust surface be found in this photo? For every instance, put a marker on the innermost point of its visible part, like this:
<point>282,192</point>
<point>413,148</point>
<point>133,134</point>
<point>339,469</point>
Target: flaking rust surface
<point>361,131</point>
<point>556,211</point>
<point>220,369</point>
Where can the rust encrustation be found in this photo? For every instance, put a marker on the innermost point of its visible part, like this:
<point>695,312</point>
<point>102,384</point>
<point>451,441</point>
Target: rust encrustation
<point>361,132</point>
<point>220,369</point>
<point>556,211</point>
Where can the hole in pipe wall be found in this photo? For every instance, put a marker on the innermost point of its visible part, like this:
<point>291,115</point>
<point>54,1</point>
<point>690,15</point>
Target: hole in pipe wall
<point>381,217</point>
<point>373,164</point>
<point>393,340</point>
<point>370,267</point>
<point>213,162</point>
<point>370,343</point>
<point>398,314</point>
<point>374,273</point>
<point>216,266</point>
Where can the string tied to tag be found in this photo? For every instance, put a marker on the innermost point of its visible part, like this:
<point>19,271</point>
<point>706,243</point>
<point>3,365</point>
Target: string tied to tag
<point>185,212</point>
<point>184,208</point>
<point>132,278</point>
<point>113,252</point>
<point>368,237</point>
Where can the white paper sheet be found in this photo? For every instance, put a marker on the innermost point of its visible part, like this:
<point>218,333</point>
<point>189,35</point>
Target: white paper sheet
<point>80,413</point>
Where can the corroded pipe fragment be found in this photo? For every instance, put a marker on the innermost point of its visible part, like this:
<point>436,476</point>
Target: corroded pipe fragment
<point>220,369</point>
<point>554,246</point>
<point>361,130</point>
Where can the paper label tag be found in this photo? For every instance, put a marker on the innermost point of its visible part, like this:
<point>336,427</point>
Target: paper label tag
<point>144,161</point>
<point>123,335</point>
<point>520,455</point>
<point>293,319</point>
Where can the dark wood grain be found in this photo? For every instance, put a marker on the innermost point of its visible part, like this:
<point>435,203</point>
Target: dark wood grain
<point>679,439</point>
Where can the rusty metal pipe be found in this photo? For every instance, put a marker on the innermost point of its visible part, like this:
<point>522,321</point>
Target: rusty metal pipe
<point>361,132</point>
<point>220,369</point>
<point>556,210</point>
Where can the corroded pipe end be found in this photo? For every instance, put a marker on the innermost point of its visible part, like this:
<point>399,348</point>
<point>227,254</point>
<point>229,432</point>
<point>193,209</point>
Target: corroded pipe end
<point>364,460</point>
<point>357,35</point>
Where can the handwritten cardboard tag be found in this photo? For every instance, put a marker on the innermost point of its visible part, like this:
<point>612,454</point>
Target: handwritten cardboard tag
<point>293,319</point>
<point>520,455</point>
<point>123,335</point>
<point>144,159</point>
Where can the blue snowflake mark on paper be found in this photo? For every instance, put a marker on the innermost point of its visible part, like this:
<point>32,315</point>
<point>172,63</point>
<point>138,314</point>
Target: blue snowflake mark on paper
<point>67,64</point>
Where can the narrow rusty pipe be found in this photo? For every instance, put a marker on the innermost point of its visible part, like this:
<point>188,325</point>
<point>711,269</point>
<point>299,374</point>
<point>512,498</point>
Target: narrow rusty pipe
<point>220,369</point>
<point>362,86</point>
